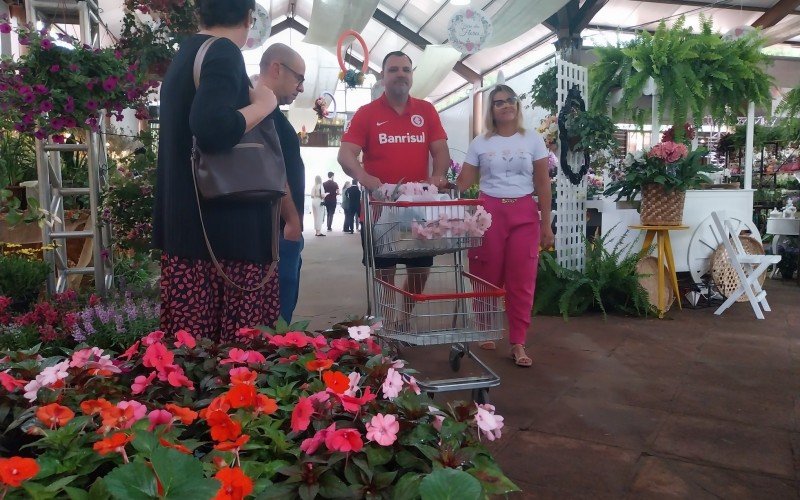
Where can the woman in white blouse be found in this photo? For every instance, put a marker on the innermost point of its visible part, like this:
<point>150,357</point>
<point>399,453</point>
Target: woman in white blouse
<point>317,195</point>
<point>510,163</point>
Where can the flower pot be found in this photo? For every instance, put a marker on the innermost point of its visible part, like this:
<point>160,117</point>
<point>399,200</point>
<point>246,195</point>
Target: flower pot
<point>661,207</point>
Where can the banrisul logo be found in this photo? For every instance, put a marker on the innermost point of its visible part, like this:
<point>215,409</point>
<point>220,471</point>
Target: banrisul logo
<point>401,138</point>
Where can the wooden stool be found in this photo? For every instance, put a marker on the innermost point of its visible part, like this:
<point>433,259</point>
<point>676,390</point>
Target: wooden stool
<point>664,253</point>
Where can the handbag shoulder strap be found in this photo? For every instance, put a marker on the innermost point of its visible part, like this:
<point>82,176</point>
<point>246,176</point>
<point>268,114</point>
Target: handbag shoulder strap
<point>198,59</point>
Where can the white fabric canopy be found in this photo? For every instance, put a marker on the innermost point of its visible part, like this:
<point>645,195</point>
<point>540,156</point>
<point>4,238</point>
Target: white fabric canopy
<point>782,31</point>
<point>434,65</point>
<point>333,17</point>
<point>520,16</point>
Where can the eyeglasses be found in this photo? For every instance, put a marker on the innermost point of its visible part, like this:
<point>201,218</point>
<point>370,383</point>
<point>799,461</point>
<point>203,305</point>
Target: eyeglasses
<point>511,101</point>
<point>300,78</point>
<point>253,22</point>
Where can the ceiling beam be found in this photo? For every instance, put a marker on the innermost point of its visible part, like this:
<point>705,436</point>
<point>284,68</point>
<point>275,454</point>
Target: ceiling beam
<point>776,13</point>
<point>586,13</point>
<point>695,3</point>
<point>292,23</point>
<point>415,38</point>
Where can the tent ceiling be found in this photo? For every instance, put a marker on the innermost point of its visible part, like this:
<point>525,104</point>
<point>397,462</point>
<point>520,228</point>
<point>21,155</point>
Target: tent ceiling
<point>407,24</point>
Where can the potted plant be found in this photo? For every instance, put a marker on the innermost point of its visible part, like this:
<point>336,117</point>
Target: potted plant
<point>590,131</point>
<point>662,175</point>
<point>544,91</point>
<point>51,89</point>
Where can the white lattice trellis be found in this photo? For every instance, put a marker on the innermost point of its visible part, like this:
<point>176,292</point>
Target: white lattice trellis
<point>570,201</point>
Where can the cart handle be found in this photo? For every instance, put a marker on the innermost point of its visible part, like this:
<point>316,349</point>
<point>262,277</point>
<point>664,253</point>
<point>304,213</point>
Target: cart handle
<point>493,291</point>
<point>439,203</point>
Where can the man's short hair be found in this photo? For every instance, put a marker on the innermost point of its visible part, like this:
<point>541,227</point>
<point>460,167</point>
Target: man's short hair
<point>398,53</point>
<point>330,174</point>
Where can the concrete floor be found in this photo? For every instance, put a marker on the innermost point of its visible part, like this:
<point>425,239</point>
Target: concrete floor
<point>692,406</point>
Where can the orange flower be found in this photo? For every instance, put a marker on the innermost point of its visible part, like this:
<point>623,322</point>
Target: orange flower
<point>338,382</point>
<point>54,415</point>
<point>235,484</point>
<point>265,404</point>
<point>242,375</point>
<point>185,415</point>
<point>94,406</point>
<point>317,365</point>
<point>223,427</point>
<point>219,403</point>
<point>241,396</point>
<point>232,445</point>
<point>16,470</point>
<point>181,448</point>
<point>114,443</point>
<point>117,418</point>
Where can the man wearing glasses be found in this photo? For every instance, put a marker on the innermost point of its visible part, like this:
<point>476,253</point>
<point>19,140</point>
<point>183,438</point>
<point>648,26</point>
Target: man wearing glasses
<point>396,133</point>
<point>283,70</point>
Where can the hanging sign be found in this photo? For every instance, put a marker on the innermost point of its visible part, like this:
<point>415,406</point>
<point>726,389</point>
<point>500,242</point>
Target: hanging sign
<point>469,30</point>
<point>258,34</point>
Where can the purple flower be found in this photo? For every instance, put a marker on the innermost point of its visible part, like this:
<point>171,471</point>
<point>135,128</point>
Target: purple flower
<point>25,89</point>
<point>46,106</point>
<point>5,28</point>
<point>73,68</point>
<point>69,122</point>
<point>47,44</point>
<point>23,40</point>
<point>90,85</point>
<point>28,98</point>
<point>91,105</point>
<point>69,106</point>
<point>40,89</point>
<point>40,134</point>
<point>59,139</point>
<point>55,68</point>
<point>110,83</point>
<point>130,77</point>
<point>19,127</point>
<point>27,119</point>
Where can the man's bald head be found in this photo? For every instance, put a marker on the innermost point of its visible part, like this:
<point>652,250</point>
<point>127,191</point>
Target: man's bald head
<point>282,70</point>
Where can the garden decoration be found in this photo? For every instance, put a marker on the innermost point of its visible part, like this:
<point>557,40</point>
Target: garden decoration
<point>695,74</point>
<point>662,175</point>
<point>351,77</point>
<point>275,415</point>
<point>259,32</point>
<point>321,106</point>
<point>468,30</point>
<point>544,91</point>
<point>51,89</point>
<point>572,105</point>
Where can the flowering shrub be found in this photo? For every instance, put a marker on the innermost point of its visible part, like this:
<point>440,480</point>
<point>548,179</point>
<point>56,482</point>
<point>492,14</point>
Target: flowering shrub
<point>114,325</point>
<point>51,89</point>
<point>667,163</point>
<point>279,415</point>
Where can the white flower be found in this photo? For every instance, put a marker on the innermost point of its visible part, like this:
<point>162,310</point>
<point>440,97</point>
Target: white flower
<point>53,374</point>
<point>31,389</point>
<point>355,378</point>
<point>359,332</point>
<point>488,423</point>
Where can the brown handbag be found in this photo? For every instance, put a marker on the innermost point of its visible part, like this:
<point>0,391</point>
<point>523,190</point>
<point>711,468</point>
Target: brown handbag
<point>253,170</point>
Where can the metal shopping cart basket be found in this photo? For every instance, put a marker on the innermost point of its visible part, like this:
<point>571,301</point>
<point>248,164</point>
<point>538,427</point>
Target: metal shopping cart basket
<point>453,307</point>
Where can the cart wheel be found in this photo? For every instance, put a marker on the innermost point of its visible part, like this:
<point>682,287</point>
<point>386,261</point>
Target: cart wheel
<point>456,353</point>
<point>480,396</point>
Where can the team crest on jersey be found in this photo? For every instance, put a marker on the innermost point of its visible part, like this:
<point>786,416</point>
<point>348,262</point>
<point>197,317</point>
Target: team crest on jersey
<point>417,120</point>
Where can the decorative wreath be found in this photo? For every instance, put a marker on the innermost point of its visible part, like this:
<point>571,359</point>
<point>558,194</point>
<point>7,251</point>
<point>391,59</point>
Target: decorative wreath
<point>573,104</point>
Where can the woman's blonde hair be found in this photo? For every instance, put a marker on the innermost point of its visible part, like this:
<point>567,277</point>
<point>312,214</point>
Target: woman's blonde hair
<point>491,127</point>
<point>317,180</point>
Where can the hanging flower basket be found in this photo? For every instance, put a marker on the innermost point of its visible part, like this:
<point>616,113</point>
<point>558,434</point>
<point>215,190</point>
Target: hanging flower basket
<point>661,207</point>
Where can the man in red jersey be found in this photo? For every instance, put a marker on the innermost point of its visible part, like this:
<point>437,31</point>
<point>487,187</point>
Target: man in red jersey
<point>396,133</point>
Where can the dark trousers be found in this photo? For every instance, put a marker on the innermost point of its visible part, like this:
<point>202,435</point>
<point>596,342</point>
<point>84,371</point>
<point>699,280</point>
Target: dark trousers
<point>330,208</point>
<point>349,217</point>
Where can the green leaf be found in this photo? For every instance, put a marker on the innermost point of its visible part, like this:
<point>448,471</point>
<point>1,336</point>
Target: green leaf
<point>444,484</point>
<point>308,491</point>
<point>330,486</point>
<point>60,483</point>
<point>491,477</point>
<point>407,488</point>
<point>76,493</point>
<point>37,491</point>
<point>99,490</point>
<point>378,455</point>
<point>145,442</point>
<point>182,475</point>
<point>133,481</point>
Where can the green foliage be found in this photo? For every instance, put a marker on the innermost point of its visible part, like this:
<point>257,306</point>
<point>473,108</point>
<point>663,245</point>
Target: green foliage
<point>544,92</point>
<point>608,283</point>
<point>595,130</point>
<point>450,484</point>
<point>695,74</point>
<point>22,273</point>
<point>17,155</point>
<point>790,105</point>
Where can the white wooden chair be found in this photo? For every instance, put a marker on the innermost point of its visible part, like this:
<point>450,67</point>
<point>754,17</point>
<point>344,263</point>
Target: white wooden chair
<point>748,267</point>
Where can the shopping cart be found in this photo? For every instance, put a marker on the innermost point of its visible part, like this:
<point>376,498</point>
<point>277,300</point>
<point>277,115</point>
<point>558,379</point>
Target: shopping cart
<point>453,307</point>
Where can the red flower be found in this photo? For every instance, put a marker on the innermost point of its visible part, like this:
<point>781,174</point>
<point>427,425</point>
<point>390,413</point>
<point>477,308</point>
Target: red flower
<point>242,375</point>
<point>265,405</point>
<point>16,470</point>
<point>353,404</point>
<point>301,415</point>
<point>181,448</point>
<point>223,427</point>
<point>241,396</point>
<point>94,406</point>
<point>10,383</point>
<point>317,365</point>
<point>114,443</point>
<point>158,356</point>
<point>336,381</point>
<point>232,445</point>
<point>344,440</point>
<point>185,415</point>
<point>54,415</point>
<point>235,484</point>
<point>185,338</point>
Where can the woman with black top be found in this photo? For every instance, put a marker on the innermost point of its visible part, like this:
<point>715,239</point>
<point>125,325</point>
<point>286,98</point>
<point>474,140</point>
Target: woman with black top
<point>194,296</point>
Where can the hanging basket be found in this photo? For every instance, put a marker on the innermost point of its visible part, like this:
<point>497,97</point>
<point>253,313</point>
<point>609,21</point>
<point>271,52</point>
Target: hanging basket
<point>661,207</point>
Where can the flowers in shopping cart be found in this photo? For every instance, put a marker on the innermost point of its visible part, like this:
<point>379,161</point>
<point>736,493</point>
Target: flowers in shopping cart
<point>408,191</point>
<point>448,225</point>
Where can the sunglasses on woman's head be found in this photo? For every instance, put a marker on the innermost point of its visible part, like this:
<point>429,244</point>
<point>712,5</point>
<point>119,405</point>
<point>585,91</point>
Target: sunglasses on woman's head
<point>511,101</point>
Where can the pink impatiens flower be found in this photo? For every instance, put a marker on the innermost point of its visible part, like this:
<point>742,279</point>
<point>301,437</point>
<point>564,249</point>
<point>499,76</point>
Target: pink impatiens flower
<point>140,383</point>
<point>344,440</point>
<point>488,423</point>
<point>236,355</point>
<point>139,411</point>
<point>153,337</point>
<point>157,356</point>
<point>312,444</point>
<point>159,417</point>
<point>185,338</point>
<point>383,429</point>
<point>301,415</point>
<point>393,384</point>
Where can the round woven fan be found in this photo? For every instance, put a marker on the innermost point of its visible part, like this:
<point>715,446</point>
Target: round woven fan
<point>723,272</point>
<point>648,267</point>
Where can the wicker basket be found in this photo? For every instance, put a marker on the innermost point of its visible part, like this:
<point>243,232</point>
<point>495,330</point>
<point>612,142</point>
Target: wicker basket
<point>661,207</point>
<point>724,274</point>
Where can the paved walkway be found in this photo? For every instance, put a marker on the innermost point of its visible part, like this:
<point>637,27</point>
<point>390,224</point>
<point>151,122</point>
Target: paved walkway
<point>692,406</point>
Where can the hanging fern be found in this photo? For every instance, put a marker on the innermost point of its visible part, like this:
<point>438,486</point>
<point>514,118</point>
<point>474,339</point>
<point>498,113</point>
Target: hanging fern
<point>695,73</point>
<point>790,106</point>
<point>544,91</point>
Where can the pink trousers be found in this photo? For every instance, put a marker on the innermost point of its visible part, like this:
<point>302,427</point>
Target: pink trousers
<point>509,257</point>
